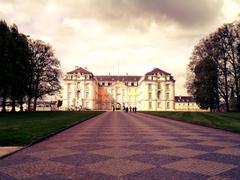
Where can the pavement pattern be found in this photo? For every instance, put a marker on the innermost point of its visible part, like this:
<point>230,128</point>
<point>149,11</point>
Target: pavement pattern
<point>119,145</point>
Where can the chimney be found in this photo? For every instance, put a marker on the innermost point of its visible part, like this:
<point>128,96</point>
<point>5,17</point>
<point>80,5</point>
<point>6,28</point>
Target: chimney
<point>76,67</point>
<point>85,68</point>
<point>109,73</point>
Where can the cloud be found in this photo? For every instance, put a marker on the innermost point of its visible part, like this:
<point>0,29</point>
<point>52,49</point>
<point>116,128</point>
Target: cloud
<point>142,13</point>
<point>137,35</point>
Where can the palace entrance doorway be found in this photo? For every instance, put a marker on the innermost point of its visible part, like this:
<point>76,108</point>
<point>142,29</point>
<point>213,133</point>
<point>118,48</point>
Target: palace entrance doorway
<point>118,106</point>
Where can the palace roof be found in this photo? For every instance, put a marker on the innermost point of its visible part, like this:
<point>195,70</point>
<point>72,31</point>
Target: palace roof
<point>80,70</point>
<point>118,78</point>
<point>156,71</point>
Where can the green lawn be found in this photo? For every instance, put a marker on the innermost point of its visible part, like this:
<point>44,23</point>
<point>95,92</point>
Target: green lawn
<point>224,120</point>
<point>23,128</point>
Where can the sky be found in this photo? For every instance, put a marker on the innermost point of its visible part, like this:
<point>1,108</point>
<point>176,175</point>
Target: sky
<point>121,36</point>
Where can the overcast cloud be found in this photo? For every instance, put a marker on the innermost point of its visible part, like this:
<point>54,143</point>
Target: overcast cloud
<point>135,35</point>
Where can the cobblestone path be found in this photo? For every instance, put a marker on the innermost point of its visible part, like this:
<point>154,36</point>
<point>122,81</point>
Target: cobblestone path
<point>119,145</point>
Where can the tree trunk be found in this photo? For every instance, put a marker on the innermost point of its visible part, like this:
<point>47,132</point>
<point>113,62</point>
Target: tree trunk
<point>13,104</point>
<point>4,102</point>
<point>236,76</point>
<point>30,96</point>
<point>237,88</point>
<point>226,85</point>
<point>238,102</point>
<point>35,97</point>
<point>211,109</point>
<point>29,102</point>
<point>217,99</point>
<point>21,105</point>
<point>36,94</point>
<point>35,104</point>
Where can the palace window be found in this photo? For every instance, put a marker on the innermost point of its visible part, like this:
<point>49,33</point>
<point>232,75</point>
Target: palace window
<point>168,105</point>
<point>159,104</point>
<point>87,104</point>
<point>167,95</point>
<point>149,87</point>
<point>78,94</point>
<point>159,85</point>
<point>87,94</point>
<point>69,87</point>
<point>69,95</point>
<point>150,105</point>
<point>149,95</point>
<point>159,94</point>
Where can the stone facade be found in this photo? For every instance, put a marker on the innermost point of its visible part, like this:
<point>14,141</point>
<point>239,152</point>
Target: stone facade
<point>154,91</point>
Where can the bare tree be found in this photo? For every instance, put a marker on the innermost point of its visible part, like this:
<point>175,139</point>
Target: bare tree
<point>45,75</point>
<point>222,47</point>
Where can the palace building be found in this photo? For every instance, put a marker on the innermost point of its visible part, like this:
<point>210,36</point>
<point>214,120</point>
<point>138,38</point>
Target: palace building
<point>154,91</point>
<point>186,103</point>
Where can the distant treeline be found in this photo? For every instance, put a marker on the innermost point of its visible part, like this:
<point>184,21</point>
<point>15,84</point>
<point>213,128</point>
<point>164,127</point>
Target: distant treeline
<point>214,69</point>
<point>28,68</point>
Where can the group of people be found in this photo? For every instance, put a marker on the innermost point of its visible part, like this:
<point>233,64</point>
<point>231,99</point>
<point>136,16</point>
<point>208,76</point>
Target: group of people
<point>126,109</point>
<point>130,109</point>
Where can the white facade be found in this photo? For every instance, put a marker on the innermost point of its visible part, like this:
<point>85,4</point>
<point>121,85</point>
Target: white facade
<point>155,91</point>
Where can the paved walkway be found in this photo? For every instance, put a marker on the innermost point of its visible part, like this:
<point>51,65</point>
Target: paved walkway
<point>116,145</point>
